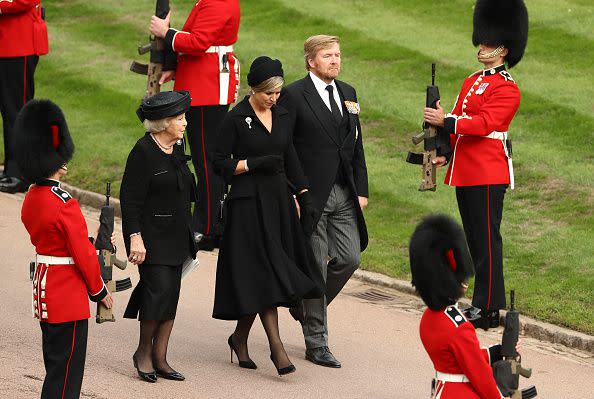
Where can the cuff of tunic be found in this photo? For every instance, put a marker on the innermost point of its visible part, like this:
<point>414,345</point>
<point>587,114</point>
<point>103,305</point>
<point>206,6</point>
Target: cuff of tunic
<point>100,295</point>
<point>449,125</point>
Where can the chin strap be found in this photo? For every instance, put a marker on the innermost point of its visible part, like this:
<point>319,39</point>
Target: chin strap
<point>492,54</point>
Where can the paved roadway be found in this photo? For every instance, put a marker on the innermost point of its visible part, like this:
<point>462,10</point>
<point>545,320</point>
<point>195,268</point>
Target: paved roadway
<point>374,333</point>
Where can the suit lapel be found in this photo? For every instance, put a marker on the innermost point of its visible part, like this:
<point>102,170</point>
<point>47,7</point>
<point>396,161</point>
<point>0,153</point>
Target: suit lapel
<point>352,119</point>
<point>319,108</point>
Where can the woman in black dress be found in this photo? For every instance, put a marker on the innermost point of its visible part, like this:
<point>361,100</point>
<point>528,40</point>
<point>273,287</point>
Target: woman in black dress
<point>156,192</point>
<point>264,260</point>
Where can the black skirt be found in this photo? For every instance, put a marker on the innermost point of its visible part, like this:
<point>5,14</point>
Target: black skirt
<point>265,259</point>
<point>157,293</point>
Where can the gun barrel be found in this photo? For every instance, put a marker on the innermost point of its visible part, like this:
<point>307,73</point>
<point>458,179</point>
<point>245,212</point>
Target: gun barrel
<point>107,193</point>
<point>433,74</point>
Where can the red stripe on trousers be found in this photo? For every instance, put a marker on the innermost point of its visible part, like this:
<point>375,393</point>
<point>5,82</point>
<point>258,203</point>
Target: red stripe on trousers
<point>69,358</point>
<point>25,82</point>
<point>490,255</point>
<point>205,173</point>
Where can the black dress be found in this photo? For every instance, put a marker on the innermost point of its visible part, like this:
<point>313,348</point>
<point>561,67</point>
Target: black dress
<point>265,260</point>
<point>156,194</point>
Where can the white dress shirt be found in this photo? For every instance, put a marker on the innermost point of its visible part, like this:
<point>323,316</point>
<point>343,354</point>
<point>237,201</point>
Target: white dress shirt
<point>321,88</point>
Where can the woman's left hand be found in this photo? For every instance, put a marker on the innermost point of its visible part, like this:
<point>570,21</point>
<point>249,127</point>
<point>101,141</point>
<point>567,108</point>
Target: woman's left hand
<point>434,117</point>
<point>159,27</point>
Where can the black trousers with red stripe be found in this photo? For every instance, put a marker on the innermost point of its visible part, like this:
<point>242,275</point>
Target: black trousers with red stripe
<point>202,129</point>
<point>481,209</point>
<point>64,352</point>
<point>17,86</point>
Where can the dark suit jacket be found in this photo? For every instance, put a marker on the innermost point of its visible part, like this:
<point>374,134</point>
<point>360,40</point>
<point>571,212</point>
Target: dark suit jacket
<point>155,198</point>
<point>319,151</point>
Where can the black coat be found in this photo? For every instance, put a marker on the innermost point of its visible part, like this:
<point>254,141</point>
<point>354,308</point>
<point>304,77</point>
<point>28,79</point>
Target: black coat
<point>265,259</point>
<point>155,196</point>
<point>318,149</point>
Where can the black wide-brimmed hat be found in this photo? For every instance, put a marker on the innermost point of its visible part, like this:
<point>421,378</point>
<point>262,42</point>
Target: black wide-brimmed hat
<point>42,140</point>
<point>439,261</point>
<point>264,68</point>
<point>163,105</point>
<point>502,23</point>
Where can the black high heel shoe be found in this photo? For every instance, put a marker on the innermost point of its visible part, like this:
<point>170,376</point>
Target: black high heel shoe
<point>246,364</point>
<point>148,377</point>
<point>285,370</point>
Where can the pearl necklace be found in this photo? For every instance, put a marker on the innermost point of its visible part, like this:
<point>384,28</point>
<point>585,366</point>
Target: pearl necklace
<point>166,148</point>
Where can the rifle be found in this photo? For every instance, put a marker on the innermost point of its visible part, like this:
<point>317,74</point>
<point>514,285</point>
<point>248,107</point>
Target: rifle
<point>507,372</point>
<point>107,258</point>
<point>434,144</point>
<point>157,48</point>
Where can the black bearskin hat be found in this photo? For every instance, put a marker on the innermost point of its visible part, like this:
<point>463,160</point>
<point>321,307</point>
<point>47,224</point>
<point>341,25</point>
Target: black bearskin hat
<point>439,261</point>
<point>502,22</point>
<point>42,140</point>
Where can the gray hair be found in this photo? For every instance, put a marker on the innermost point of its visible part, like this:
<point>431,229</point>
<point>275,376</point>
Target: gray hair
<point>157,125</point>
<point>270,84</point>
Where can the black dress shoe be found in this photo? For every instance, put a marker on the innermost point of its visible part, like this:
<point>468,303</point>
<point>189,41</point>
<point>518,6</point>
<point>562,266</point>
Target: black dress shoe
<point>322,357</point>
<point>12,185</point>
<point>174,375</point>
<point>481,318</point>
<point>206,243</point>
<point>148,377</point>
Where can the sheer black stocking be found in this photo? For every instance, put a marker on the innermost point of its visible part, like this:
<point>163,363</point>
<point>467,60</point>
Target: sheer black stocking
<point>269,320</point>
<point>241,334</point>
<point>143,353</point>
<point>160,344</point>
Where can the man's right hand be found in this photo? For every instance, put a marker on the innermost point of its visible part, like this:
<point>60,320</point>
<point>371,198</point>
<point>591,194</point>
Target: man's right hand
<point>166,76</point>
<point>108,300</point>
<point>439,161</point>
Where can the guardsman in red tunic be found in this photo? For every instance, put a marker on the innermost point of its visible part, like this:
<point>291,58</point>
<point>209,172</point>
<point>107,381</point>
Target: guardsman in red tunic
<point>208,69</point>
<point>67,271</point>
<point>480,166</point>
<point>441,266</point>
<point>23,38</point>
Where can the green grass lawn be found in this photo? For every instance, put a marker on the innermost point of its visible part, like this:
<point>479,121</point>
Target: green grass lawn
<point>388,47</point>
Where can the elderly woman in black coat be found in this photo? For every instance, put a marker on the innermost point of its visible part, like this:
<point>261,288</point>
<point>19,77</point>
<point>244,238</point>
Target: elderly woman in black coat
<point>156,192</point>
<point>264,260</point>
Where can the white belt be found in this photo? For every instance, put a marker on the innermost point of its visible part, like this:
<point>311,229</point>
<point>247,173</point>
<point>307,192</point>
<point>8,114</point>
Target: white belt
<point>219,49</point>
<point>54,260</point>
<point>502,136</point>
<point>445,377</point>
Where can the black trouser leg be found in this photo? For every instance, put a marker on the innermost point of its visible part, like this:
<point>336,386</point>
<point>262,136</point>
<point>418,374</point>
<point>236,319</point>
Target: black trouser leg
<point>64,352</point>
<point>202,129</point>
<point>17,86</point>
<point>481,209</point>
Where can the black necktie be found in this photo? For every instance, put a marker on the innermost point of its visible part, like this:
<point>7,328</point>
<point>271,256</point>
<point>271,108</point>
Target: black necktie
<point>333,106</point>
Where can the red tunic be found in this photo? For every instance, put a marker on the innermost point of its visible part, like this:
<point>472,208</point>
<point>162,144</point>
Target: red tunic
<point>22,31</point>
<point>57,228</point>
<point>211,23</point>
<point>452,345</point>
<point>485,106</point>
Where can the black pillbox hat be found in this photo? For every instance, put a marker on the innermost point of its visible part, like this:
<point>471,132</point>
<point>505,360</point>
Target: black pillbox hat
<point>264,68</point>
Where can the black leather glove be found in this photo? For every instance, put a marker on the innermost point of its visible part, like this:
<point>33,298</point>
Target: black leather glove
<point>309,213</point>
<point>266,163</point>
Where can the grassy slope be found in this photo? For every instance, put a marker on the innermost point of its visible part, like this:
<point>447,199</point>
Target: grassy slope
<point>388,46</point>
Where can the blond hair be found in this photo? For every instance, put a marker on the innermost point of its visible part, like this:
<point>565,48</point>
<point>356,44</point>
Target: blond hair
<point>316,43</point>
<point>157,125</point>
<point>270,84</point>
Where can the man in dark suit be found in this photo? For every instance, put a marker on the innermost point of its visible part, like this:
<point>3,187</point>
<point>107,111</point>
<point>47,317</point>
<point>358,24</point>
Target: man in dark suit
<point>328,140</point>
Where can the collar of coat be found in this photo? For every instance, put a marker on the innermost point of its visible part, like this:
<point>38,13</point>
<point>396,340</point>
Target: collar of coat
<point>244,108</point>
